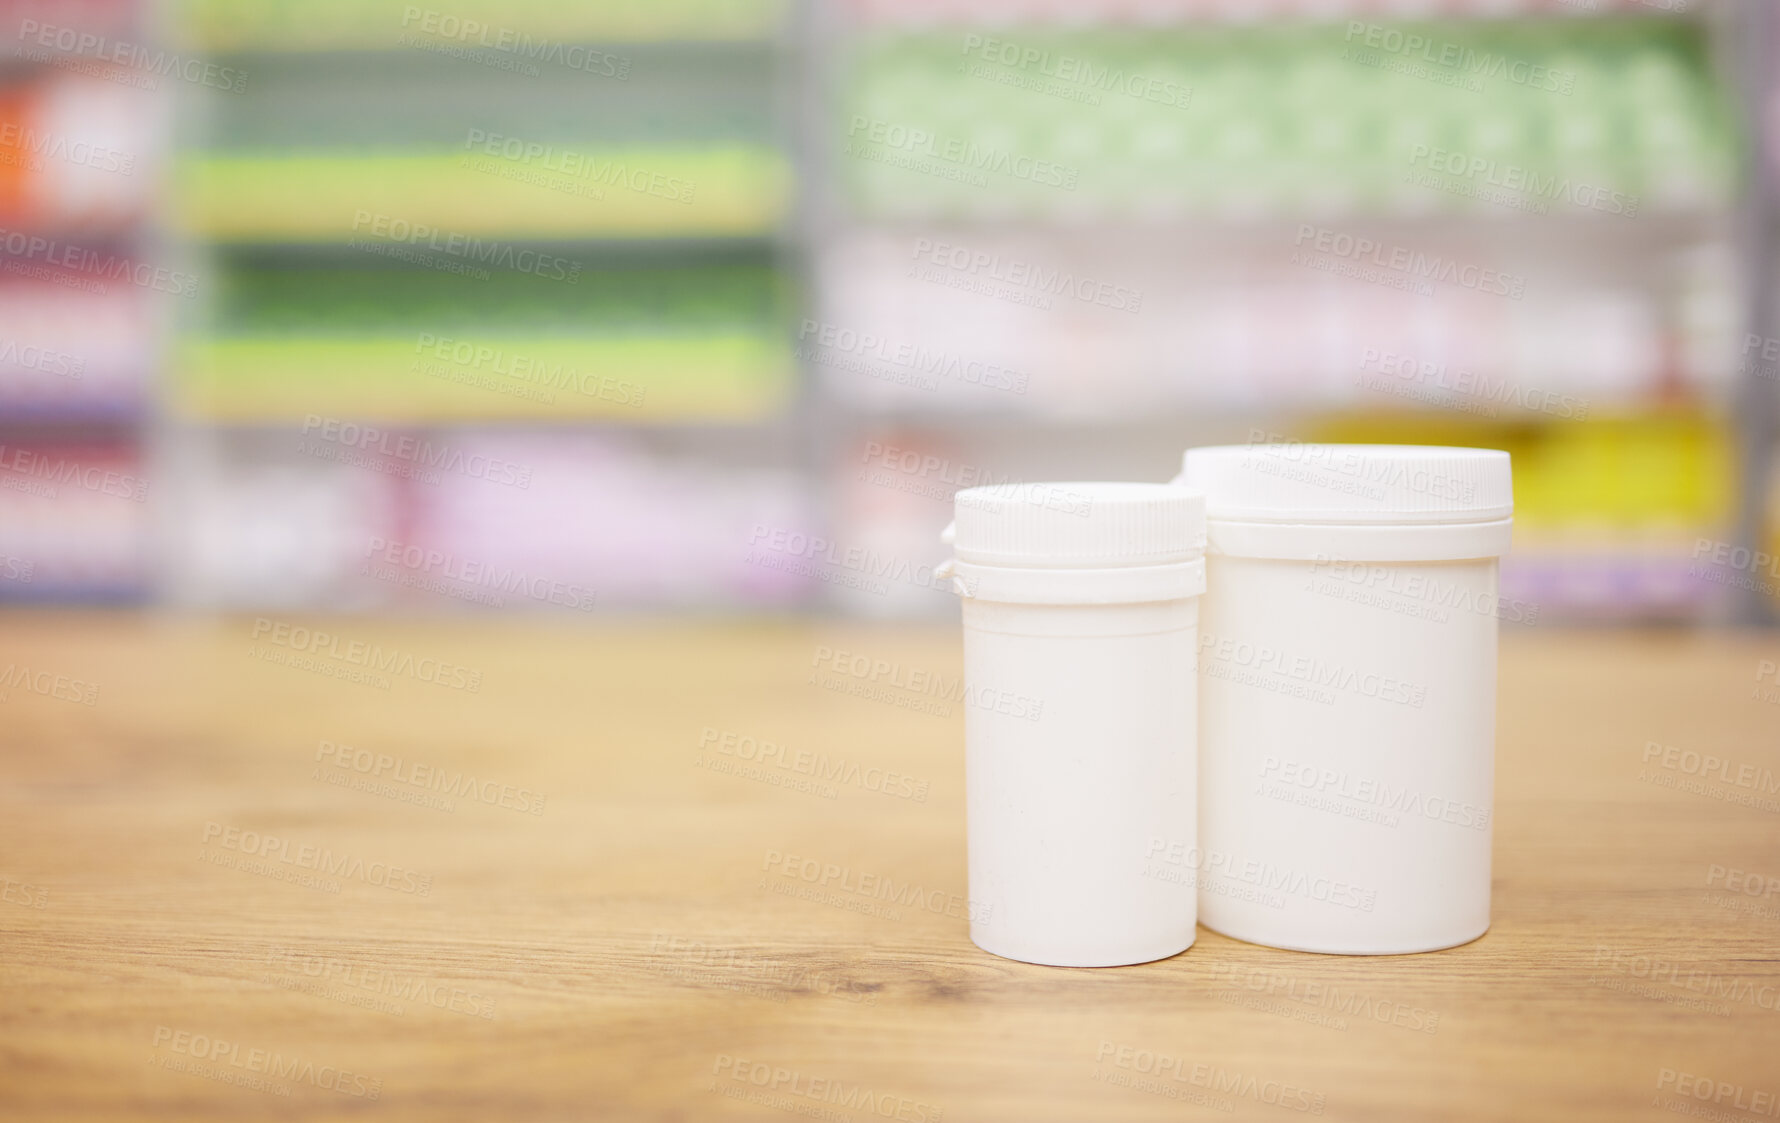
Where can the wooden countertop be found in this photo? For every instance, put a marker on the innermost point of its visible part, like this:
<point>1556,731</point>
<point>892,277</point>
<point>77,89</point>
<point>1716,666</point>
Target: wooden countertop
<point>237,884</point>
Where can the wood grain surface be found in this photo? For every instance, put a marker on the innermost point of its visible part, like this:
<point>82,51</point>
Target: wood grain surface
<point>528,871</point>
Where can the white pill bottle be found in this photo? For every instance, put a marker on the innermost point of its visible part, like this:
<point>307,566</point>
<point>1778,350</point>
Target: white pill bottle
<point>1080,606</point>
<point>1347,680</point>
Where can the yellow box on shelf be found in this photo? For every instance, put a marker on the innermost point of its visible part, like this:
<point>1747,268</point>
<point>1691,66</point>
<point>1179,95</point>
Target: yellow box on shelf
<point>492,186</point>
<point>526,28</point>
<point>1656,469</point>
<point>646,380</point>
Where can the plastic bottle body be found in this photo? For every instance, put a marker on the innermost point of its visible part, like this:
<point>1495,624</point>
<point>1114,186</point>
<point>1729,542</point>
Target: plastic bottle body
<point>1347,742</point>
<point>1081,774</point>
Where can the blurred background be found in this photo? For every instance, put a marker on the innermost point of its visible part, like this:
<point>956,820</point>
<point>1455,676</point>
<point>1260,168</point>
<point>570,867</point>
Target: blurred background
<point>369,306</point>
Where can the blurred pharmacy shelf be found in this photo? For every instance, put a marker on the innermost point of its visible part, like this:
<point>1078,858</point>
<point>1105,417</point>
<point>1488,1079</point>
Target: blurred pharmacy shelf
<point>502,288</point>
<point>475,190</point>
<point>1162,13</point>
<point>1120,228</point>
<point>526,29</point>
<point>698,341</point>
<point>1598,117</point>
<point>712,304</point>
<point>1755,532</point>
<point>83,136</point>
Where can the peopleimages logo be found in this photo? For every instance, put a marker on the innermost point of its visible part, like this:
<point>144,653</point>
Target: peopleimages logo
<point>945,477</point>
<point>1687,977</point>
<point>319,859</point>
<point>384,768</point>
<point>49,684</point>
<point>1327,996</point>
<point>605,171</point>
<point>917,680</point>
<point>369,987</point>
<point>1736,880</point>
<point>912,360</point>
<point>1768,349</point>
<point>1710,766</point>
<point>229,1062</point>
<point>785,1087</point>
<point>959,152</point>
<point>418,452</point>
<point>1719,1093</point>
<point>455,30</point>
<point>358,653</point>
<point>91,266</point>
<point>1211,1078</point>
<point>1458,58</point>
<point>823,771</point>
<point>1407,262</point>
<point>419,235</point>
<point>17,139</point>
<point>511,372</point>
<point>1016,272</point>
<point>22,894</point>
<point>1765,670</point>
<point>1185,859</point>
<point>1436,382</point>
<point>868,886</point>
<point>433,570</point>
<point>1321,780</point>
<point>44,359</point>
<point>1346,470</point>
<point>1398,589</point>
<point>734,968</point>
<point>1740,558</point>
<point>1315,675</point>
<point>88,46</point>
<point>1098,77</point>
<point>23,469</point>
<point>815,556</point>
<point>1523,181</point>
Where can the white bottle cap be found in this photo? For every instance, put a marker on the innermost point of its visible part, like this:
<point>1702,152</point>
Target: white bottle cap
<point>1350,484</point>
<point>1078,525</point>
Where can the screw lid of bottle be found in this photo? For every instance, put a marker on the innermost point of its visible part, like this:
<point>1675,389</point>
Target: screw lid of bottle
<point>1082,525</point>
<point>1293,482</point>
